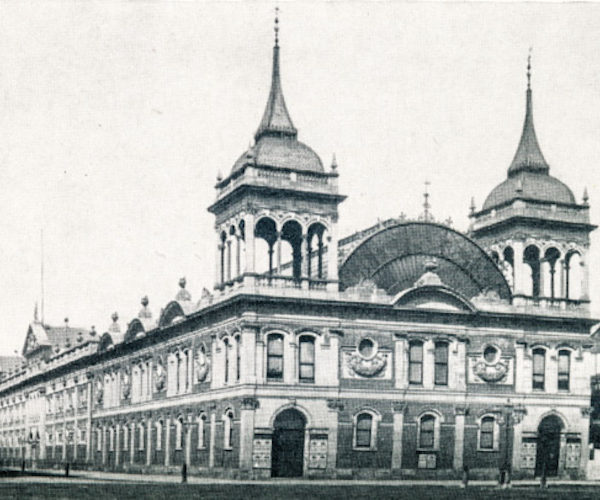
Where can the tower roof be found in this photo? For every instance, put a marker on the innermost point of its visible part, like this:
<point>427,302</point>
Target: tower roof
<point>276,119</point>
<point>529,156</point>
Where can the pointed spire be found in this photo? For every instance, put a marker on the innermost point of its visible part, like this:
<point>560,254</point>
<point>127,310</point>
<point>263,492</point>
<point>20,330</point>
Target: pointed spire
<point>529,156</point>
<point>276,120</point>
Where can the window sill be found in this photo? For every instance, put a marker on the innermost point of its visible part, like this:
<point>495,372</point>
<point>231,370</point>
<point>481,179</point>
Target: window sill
<point>200,448</point>
<point>364,448</point>
<point>428,450</point>
<point>488,450</point>
<point>227,448</point>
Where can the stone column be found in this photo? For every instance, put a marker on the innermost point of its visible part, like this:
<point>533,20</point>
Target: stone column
<point>238,255</point>
<point>64,443</point>
<point>400,363</point>
<point>248,355</point>
<point>332,253</point>
<point>149,441</point>
<point>188,441</point>
<point>304,256</point>
<point>42,426</point>
<point>132,447</point>
<point>168,441</point>
<point>335,406</point>
<point>398,408</point>
<point>219,269</point>
<point>249,239</point>
<point>278,245</point>
<point>459,436</point>
<point>211,446</point>
<point>428,363</point>
<point>260,359</point>
<point>290,373</point>
<point>104,446</point>
<point>249,405</point>
<point>118,444</point>
<point>585,286</point>
<point>517,431</point>
<point>519,268</point>
<point>228,265</point>
<point>585,430</point>
<point>562,269</point>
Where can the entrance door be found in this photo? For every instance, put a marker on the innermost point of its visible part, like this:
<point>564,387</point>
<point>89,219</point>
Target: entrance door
<point>548,446</point>
<point>287,457</point>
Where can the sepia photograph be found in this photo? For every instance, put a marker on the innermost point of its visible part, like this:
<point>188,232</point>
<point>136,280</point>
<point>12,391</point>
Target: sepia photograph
<point>299,249</point>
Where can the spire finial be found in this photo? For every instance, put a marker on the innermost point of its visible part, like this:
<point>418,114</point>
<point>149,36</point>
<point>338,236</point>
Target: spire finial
<point>586,196</point>
<point>473,207</point>
<point>35,313</point>
<point>334,164</point>
<point>529,69</point>
<point>426,205</point>
<point>276,26</point>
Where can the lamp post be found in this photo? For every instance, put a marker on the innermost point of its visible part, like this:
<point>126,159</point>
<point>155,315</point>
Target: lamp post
<point>509,416</point>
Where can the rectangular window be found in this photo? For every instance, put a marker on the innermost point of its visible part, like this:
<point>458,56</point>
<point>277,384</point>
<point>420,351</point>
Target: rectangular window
<point>364,425</point>
<point>275,357</point>
<point>486,434</point>
<point>441,363</point>
<point>564,366</point>
<point>539,369</point>
<point>307,359</point>
<point>415,363</point>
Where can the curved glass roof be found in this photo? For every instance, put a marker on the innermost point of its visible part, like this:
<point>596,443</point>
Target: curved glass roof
<point>394,258</point>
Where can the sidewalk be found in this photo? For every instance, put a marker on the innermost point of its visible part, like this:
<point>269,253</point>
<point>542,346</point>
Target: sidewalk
<point>84,476</point>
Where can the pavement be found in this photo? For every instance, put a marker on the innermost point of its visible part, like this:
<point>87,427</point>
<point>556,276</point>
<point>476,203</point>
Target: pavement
<point>85,476</point>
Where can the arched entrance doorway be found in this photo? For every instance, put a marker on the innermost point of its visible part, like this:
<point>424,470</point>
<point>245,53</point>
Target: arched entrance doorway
<point>548,446</point>
<point>287,458</point>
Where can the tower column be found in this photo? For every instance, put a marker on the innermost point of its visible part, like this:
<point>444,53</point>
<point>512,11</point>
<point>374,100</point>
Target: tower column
<point>520,271</point>
<point>332,254</point>
<point>304,256</point>
<point>219,278</point>
<point>249,240</point>
<point>228,258</point>
<point>585,287</point>
<point>278,244</point>
<point>238,254</point>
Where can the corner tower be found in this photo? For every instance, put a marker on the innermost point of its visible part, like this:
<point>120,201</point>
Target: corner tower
<point>276,212</point>
<point>533,227</point>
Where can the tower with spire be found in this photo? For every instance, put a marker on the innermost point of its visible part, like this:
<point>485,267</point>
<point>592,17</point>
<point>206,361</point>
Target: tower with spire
<point>534,228</point>
<point>276,212</point>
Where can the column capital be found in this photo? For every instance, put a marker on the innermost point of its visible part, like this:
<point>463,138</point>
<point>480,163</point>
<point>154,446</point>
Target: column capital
<point>250,403</point>
<point>586,411</point>
<point>399,407</point>
<point>335,404</point>
<point>461,410</point>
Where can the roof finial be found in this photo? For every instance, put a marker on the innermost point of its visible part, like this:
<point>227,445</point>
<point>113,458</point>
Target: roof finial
<point>529,69</point>
<point>586,197</point>
<point>473,207</point>
<point>35,313</point>
<point>334,164</point>
<point>277,26</point>
<point>426,205</point>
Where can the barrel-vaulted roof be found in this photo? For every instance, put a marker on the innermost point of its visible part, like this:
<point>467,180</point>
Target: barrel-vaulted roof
<point>394,259</point>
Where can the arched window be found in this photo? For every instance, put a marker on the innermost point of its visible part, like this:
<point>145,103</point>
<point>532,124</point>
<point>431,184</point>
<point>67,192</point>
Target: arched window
<point>364,431</point>
<point>275,357</point>
<point>415,362</point>
<point>159,433</point>
<point>564,369</point>
<point>427,432</point>
<point>178,434</point>
<point>441,363</point>
<point>487,433</point>
<point>539,369</point>
<point>228,430</point>
<point>306,359</point>
<point>201,431</point>
<point>226,359</point>
<point>238,356</point>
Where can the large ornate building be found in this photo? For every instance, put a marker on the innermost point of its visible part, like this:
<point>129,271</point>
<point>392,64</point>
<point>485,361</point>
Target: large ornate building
<point>408,349</point>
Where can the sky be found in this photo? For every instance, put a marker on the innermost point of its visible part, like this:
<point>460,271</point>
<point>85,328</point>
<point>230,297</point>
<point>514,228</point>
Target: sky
<point>116,117</point>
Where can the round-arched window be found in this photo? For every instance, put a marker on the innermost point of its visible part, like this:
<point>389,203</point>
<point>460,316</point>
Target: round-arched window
<point>490,354</point>
<point>367,348</point>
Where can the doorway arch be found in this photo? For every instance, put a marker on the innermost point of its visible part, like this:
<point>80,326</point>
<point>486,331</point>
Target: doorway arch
<point>548,445</point>
<point>287,457</point>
